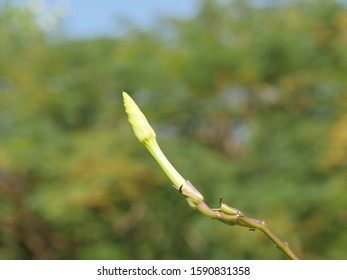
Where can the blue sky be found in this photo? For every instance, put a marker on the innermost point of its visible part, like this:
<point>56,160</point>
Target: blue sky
<point>89,18</point>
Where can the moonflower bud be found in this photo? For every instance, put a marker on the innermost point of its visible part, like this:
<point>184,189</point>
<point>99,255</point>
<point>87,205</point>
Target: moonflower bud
<point>146,135</point>
<point>142,129</point>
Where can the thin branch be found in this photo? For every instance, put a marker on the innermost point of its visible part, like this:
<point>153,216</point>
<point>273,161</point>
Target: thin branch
<point>233,216</point>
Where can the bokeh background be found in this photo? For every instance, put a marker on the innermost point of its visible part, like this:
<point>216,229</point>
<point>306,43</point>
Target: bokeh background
<point>249,101</point>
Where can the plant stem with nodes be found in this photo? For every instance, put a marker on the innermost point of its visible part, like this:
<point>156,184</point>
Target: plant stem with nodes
<point>226,214</point>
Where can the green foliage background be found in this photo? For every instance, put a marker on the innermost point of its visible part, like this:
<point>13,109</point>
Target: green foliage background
<point>248,102</point>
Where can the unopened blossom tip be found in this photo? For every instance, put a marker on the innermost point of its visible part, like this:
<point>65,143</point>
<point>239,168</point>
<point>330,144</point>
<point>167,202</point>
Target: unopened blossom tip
<point>142,129</point>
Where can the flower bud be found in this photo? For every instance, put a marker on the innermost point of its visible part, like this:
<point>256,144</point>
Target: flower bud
<point>142,129</point>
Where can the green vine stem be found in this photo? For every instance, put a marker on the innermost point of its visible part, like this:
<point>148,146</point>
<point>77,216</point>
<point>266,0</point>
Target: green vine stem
<point>226,214</point>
